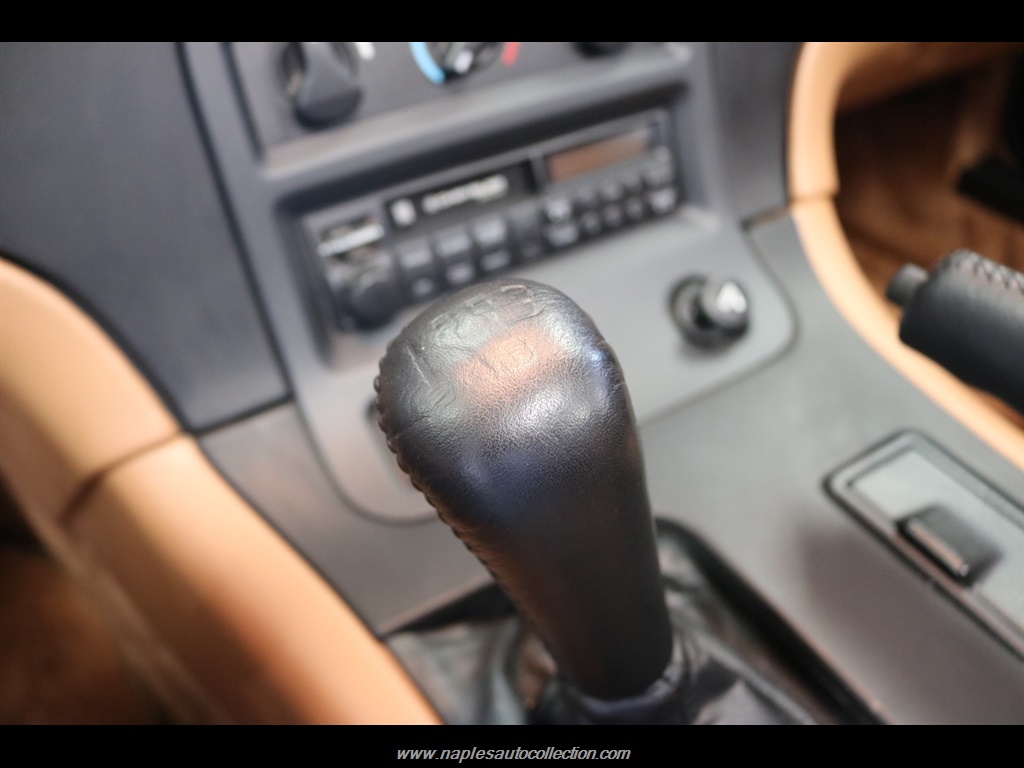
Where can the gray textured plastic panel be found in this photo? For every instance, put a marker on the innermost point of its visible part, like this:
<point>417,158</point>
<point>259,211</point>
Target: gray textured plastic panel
<point>900,485</point>
<point>745,467</point>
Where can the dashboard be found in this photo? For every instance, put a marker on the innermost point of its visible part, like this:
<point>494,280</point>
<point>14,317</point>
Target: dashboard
<point>207,248</point>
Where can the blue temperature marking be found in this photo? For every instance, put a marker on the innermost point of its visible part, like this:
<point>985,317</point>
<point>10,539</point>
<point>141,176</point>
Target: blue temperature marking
<point>426,63</point>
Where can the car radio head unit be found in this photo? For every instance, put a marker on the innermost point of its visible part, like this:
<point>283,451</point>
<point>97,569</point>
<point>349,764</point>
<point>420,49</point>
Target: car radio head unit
<point>412,242</point>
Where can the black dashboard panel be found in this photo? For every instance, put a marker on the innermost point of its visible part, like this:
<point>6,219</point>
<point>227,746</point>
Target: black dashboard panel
<point>388,77</point>
<point>752,120</point>
<point>107,192</point>
<point>624,280</point>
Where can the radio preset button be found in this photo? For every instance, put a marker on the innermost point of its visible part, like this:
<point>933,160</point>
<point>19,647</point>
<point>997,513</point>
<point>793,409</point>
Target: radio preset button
<point>613,216</point>
<point>633,184</point>
<point>454,248</point>
<point>495,261</point>
<point>453,245</point>
<point>562,235</point>
<point>659,175</point>
<point>420,288</point>
<point>612,192</point>
<point>403,213</point>
<point>590,223</point>
<point>587,199</point>
<point>663,201</point>
<point>525,223</point>
<point>419,270</point>
<point>558,210</point>
<point>460,273</point>
<point>491,234</point>
<point>635,209</point>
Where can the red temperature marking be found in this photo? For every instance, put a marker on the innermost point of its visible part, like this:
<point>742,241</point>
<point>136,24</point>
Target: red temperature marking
<point>510,53</point>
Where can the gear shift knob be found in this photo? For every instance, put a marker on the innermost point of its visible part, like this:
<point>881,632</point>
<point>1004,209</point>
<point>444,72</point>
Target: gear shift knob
<point>508,410</point>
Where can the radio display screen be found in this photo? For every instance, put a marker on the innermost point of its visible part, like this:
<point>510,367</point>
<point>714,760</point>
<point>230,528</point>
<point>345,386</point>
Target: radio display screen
<point>578,161</point>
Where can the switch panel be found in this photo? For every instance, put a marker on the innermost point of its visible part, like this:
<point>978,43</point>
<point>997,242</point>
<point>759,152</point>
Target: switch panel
<point>956,528</point>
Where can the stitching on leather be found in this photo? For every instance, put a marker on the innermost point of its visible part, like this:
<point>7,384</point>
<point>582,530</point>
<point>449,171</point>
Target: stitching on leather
<point>460,534</point>
<point>985,269</point>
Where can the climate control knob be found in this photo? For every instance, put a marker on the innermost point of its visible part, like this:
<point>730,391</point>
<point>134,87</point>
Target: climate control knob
<point>459,59</point>
<point>321,81</point>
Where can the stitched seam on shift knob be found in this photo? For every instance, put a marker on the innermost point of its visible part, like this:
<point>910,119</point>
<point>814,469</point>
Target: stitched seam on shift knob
<point>460,533</point>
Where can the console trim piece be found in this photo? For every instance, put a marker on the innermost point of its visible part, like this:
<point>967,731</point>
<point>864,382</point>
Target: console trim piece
<point>963,493</point>
<point>822,68</point>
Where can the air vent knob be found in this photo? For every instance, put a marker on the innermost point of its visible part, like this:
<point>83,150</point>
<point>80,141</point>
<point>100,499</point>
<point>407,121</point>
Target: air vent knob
<point>321,81</point>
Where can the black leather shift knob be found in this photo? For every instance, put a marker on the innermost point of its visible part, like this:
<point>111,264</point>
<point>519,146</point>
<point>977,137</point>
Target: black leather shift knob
<point>509,411</point>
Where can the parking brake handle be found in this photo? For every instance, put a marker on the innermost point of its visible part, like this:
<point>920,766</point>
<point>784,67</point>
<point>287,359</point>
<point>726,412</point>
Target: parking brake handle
<point>508,410</point>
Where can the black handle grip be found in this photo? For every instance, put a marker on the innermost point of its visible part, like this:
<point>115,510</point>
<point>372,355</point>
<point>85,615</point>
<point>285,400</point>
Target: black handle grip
<point>509,411</point>
<point>968,316</point>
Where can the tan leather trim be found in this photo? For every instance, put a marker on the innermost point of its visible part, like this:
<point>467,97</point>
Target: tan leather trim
<point>836,75</point>
<point>71,404</point>
<point>844,281</point>
<point>822,72</point>
<point>248,615</point>
<point>133,508</point>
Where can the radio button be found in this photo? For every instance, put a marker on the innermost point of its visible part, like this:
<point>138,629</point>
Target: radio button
<point>590,223</point>
<point>460,273</point>
<point>495,261</point>
<point>587,199</point>
<point>453,245</point>
<point>491,234</point>
<point>633,183</point>
<point>562,235</point>
<point>525,223</point>
<point>454,249</point>
<point>659,175</point>
<point>612,192</point>
<point>403,213</point>
<point>635,209</point>
<point>419,271</point>
<point>613,216</point>
<point>558,210</point>
<point>662,201</point>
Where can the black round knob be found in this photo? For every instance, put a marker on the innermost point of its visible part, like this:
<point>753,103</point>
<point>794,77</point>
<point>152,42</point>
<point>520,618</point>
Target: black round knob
<point>367,291</point>
<point>459,59</point>
<point>509,411</point>
<point>602,49</point>
<point>710,312</point>
<point>321,80</point>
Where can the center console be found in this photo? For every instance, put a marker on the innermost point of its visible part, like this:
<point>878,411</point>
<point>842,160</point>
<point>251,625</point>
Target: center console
<point>577,165</point>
